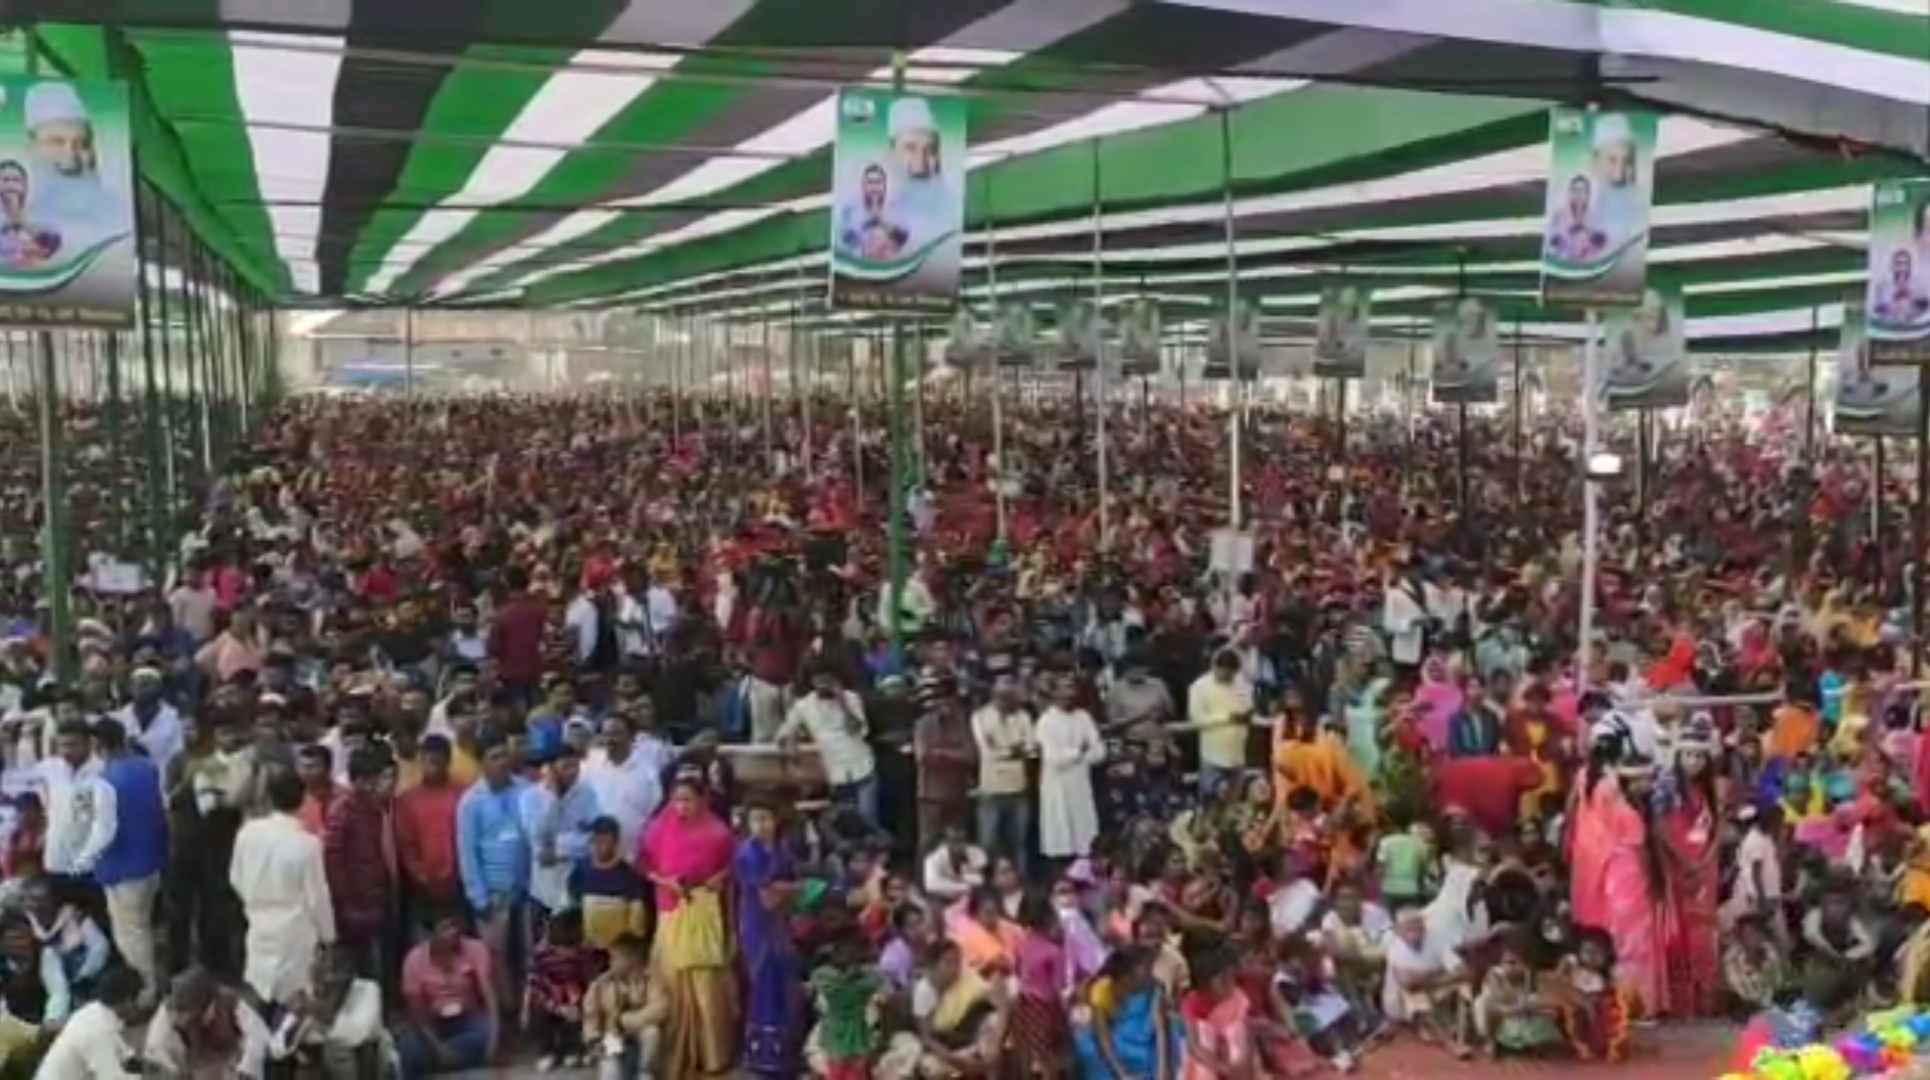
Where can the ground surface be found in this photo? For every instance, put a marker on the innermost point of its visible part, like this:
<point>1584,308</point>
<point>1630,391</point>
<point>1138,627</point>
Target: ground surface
<point>1693,1052</point>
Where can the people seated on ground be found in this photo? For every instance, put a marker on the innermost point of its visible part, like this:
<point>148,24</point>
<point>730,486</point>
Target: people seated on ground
<point>339,1033</point>
<point>449,1004</point>
<point>958,1016</point>
<point>71,935</point>
<point>94,1043</point>
<point>623,1014</point>
<point>35,998</point>
<point>207,1030</point>
<point>560,969</point>
<point>1426,983</point>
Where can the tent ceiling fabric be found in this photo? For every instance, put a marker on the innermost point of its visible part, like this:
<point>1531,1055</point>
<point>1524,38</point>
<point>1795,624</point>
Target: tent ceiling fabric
<point>671,152</point>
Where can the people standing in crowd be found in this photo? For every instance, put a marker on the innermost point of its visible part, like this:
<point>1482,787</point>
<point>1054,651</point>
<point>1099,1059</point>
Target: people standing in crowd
<point>130,836</point>
<point>1002,728</point>
<point>1372,763</point>
<point>279,871</point>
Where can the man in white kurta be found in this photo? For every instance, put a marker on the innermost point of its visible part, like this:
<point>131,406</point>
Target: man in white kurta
<point>282,881</point>
<point>1069,747</point>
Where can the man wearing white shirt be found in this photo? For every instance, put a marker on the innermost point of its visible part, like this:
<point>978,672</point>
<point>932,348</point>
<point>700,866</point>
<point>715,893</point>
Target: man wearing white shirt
<point>152,724</point>
<point>1219,704</point>
<point>834,720</point>
<point>1003,731</point>
<point>954,868</point>
<point>92,1044</point>
<point>70,788</point>
<point>625,771</point>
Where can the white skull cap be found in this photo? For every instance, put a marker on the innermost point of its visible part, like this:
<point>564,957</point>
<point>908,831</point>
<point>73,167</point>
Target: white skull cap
<point>909,114</point>
<point>54,103</point>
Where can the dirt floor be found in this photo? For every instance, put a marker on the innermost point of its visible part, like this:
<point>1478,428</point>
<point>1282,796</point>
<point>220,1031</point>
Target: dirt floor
<point>1685,1052</point>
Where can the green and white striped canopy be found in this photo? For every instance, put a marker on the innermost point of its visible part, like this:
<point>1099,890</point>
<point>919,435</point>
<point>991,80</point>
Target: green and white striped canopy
<point>674,154</point>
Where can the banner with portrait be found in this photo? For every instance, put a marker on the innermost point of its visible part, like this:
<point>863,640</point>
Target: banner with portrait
<point>1898,306</point>
<point>1870,400</point>
<point>1341,332</point>
<point>1139,338</point>
<point>1081,330</point>
<point>1233,346</point>
<point>1646,362</point>
<point>1601,182</point>
<point>897,200</point>
<point>1015,336</point>
<point>1466,348</point>
<point>67,244</point>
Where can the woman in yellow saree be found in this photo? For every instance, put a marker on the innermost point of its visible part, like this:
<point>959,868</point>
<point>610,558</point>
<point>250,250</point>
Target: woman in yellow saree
<point>688,852</point>
<point>960,1019</point>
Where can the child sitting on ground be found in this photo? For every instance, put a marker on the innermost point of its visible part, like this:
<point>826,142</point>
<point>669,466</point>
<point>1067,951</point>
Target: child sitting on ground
<point>845,988</point>
<point>560,969</point>
<point>622,1018</point>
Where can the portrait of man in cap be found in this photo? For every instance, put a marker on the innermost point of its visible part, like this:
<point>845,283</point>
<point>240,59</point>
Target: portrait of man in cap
<point>67,190</point>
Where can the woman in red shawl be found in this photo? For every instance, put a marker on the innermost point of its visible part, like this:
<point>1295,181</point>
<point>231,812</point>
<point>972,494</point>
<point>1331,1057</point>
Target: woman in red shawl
<point>1691,881</point>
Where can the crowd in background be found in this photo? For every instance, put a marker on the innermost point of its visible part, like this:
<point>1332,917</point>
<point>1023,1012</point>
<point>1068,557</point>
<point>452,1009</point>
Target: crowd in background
<point>592,728</point>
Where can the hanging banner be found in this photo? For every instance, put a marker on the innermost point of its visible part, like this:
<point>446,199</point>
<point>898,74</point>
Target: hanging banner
<point>1340,338</point>
<point>1601,180</point>
<point>1467,354</point>
<point>1898,312</point>
<point>897,201</point>
<point>1233,346</point>
<point>66,203</point>
<point>1647,364</point>
<point>1139,339</point>
<point>1082,335</point>
<point>1016,336</point>
<point>1872,401</point>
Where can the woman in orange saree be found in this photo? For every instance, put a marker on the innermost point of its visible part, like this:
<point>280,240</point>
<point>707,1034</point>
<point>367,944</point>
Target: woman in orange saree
<point>987,941</point>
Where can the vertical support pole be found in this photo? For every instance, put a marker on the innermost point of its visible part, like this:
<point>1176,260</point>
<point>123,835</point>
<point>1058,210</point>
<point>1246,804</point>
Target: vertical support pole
<point>804,373</point>
<point>1591,496</point>
<point>116,434</point>
<point>1000,508</point>
<point>1809,385</point>
<point>1235,511</point>
<point>1099,346</point>
<point>898,555</point>
<point>153,422</point>
<point>1515,415</point>
<point>57,556</point>
<point>766,417</point>
<point>408,352</point>
<point>1920,538</point>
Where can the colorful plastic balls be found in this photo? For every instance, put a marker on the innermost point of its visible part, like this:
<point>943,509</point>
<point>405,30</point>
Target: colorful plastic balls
<point>1822,1063</point>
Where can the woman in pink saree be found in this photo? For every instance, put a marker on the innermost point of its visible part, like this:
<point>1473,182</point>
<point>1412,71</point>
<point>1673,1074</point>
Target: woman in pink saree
<point>688,852</point>
<point>1692,962</point>
<point>1612,887</point>
<point>1437,701</point>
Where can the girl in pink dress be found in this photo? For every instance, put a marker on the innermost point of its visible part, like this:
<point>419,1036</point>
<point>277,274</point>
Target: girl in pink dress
<point>1219,1031</point>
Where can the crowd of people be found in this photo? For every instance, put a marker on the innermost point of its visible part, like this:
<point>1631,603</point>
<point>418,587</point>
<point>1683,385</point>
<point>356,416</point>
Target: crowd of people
<point>482,726</point>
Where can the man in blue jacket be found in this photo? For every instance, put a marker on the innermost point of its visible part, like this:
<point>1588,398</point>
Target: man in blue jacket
<point>128,846</point>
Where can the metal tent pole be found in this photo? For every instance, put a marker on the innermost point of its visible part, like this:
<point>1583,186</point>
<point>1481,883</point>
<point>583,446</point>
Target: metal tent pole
<point>1099,345</point>
<point>1235,511</point>
<point>1591,495</point>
